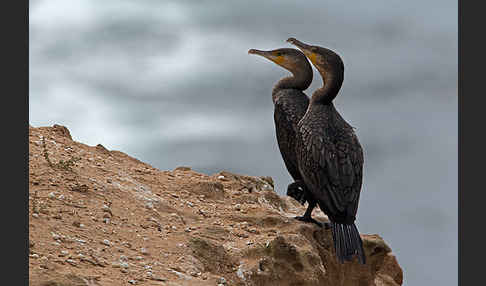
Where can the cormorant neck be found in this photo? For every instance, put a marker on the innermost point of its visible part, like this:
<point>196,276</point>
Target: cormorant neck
<point>331,84</point>
<point>299,80</point>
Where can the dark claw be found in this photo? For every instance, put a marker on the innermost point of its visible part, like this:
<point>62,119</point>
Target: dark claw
<point>311,220</point>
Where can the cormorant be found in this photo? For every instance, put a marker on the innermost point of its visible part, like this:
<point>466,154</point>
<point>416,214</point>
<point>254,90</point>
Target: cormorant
<point>290,105</point>
<point>329,155</point>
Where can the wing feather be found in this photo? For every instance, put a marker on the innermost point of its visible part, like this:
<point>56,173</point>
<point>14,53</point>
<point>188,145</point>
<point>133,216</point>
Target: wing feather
<point>334,167</point>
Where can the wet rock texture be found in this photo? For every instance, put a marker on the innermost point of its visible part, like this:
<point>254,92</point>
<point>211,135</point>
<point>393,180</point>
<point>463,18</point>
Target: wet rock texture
<point>101,217</point>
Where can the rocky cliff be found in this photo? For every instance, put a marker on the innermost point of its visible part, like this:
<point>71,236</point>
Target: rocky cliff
<point>101,217</point>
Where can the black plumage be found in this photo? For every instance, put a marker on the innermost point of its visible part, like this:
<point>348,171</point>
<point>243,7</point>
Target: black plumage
<point>329,155</point>
<point>290,104</point>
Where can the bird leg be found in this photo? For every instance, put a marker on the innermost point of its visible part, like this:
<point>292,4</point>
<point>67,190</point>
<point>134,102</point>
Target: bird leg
<point>307,215</point>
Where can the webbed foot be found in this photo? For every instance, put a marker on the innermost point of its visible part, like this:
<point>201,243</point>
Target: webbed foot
<point>296,190</point>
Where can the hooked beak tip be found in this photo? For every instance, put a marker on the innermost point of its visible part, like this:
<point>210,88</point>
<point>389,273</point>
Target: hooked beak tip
<point>297,43</point>
<point>257,52</point>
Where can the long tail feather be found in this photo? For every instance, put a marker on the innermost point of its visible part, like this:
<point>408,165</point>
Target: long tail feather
<point>347,242</point>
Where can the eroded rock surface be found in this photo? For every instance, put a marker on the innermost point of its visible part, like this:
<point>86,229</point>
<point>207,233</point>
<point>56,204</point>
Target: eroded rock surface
<point>101,217</point>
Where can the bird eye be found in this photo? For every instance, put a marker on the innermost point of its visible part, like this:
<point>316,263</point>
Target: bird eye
<point>279,54</point>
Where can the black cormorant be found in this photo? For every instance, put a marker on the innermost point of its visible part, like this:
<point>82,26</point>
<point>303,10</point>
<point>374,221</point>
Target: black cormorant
<point>329,155</point>
<point>290,105</point>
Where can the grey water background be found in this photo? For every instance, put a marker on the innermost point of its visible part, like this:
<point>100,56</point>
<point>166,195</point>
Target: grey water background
<point>171,83</point>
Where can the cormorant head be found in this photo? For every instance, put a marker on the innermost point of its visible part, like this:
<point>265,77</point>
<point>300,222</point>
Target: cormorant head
<point>327,62</point>
<point>290,59</point>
